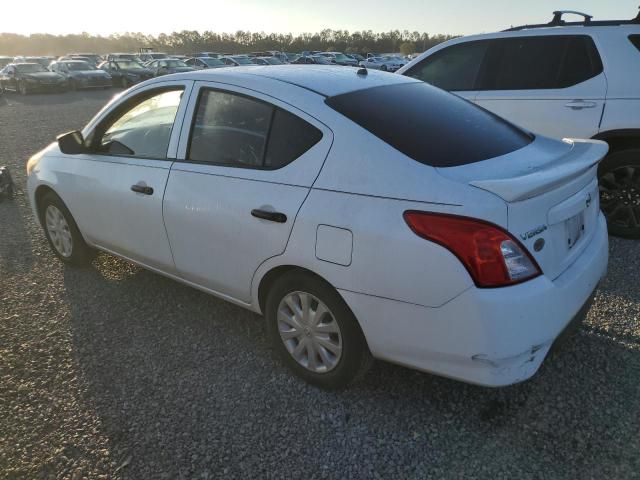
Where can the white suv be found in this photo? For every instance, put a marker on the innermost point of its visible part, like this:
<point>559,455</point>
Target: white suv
<point>560,79</point>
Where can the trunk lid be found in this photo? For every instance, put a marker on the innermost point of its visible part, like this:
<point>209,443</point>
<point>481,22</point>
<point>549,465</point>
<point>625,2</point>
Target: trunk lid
<point>552,197</point>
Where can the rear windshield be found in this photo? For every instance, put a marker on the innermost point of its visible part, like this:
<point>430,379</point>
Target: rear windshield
<point>430,125</point>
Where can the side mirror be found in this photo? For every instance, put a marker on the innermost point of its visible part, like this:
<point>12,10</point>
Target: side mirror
<point>71,143</point>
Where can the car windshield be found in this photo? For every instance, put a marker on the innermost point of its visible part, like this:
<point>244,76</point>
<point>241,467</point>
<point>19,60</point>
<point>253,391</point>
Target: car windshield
<point>77,66</point>
<point>212,62</point>
<point>157,56</point>
<point>341,56</point>
<point>125,56</point>
<point>273,61</point>
<point>128,65</point>
<point>30,68</point>
<point>322,60</point>
<point>242,60</point>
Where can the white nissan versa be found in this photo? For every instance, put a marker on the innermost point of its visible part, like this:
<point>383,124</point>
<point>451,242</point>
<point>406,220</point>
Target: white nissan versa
<point>364,214</point>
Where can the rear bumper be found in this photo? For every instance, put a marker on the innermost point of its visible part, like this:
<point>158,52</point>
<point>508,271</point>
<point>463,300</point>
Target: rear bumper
<point>490,337</point>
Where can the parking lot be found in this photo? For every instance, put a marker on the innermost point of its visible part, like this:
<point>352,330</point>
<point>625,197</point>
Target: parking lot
<point>116,372</point>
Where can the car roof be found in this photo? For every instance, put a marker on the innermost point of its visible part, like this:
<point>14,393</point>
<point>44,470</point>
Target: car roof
<point>326,80</point>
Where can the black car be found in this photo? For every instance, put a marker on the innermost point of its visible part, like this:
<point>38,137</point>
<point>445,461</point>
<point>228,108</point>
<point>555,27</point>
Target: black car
<point>80,74</point>
<point>30,77</point>
<point>169,65</point>
<point>125,73</point>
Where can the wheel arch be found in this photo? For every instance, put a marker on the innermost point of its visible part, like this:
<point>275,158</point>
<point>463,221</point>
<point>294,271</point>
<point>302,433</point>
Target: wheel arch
<point>39,194</point>
<point>276,272</point>
<point>622,139</point>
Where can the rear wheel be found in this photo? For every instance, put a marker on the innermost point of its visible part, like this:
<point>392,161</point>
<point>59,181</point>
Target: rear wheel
<point>620,192</point>
<point>62,232</point>
<point>383,68</point>
<point>314,332</point>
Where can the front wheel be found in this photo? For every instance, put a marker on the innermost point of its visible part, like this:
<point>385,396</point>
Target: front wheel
<point>314,332</point>
<point>620,192</point>
<point>62,232</point>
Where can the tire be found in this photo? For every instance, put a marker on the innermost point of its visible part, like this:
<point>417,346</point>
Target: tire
<point>619,176</point>
<point>23,89</point>
<point>347,357</point>
<point>383,68</point>
<point>123,82</point>
<point>78,252</point>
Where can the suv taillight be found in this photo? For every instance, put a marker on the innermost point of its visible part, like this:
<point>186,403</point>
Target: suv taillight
<point>491,255</point>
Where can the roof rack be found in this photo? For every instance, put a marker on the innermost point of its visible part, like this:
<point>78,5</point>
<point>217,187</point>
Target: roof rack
<point>588,21</point>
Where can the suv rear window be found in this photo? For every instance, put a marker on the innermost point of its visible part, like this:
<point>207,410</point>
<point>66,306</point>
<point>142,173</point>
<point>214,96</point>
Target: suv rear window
<point>430,125</point>
<point>536,63</point>
<point>635,39</point>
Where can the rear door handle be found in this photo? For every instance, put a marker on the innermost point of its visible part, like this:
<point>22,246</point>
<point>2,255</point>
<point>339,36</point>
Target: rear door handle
<point>267,215</point>
<point>580,104</point>
<point>142,189</point>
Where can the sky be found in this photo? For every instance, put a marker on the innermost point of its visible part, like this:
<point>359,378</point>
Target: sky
<point>296,16</point>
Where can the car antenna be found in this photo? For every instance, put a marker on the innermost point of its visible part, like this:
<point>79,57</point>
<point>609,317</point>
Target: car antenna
<point>362,71</point>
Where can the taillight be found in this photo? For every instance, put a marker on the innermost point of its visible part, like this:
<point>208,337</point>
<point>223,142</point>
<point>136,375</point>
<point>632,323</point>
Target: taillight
<point>491,255</point>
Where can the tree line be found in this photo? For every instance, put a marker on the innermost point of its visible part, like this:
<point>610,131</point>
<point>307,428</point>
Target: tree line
<point>188,41</point>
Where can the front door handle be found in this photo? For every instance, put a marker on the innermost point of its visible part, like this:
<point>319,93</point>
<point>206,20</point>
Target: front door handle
<point>142,189</point>
<point>268,215</point>
<point>580,104</point>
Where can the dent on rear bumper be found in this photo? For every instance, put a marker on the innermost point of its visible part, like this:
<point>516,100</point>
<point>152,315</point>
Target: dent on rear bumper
<point>491,337</point>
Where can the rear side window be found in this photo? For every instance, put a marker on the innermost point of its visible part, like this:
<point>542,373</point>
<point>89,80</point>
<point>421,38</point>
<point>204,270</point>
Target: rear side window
<point>239,131</point>
<point>290,137</point>
<point>453,68</point>
<point>429,125</point>
<point>536,63</point>
<point>635,40</point>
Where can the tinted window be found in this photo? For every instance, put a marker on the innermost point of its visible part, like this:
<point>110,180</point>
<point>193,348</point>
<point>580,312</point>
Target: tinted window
<point>635,39</point>
<point>534,63</point>
<point>141,127</point>
<point>229,129</point>
<point>290,137</point>
<point>429,125</point>
<point>454,68</point>
<point>235,130</point>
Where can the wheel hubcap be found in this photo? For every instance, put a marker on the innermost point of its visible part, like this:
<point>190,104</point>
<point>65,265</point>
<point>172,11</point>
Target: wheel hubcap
<point>309,332</point>
<point>620,196</point>
<point>58,230</point>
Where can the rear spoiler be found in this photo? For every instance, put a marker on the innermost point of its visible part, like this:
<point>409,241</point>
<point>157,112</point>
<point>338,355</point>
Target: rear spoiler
<point>583,155</point>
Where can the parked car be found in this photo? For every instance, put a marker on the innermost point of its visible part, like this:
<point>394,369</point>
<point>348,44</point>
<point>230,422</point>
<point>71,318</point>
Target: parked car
<point>123,56</point>
<point>203,63</point>
<point>207,54</point>
<point>264,203</point>
<point>170,65</point>
<point>312,60</point>
<point>356,56</point>
<point>91,58</point>
<point>151,56</point>
<point>266,61</point>
<point>125,73</point>
<point>4,61</point>
<point>386,64</point>
<point>561,79</point>
<point>44,61</point>
<point>236,60</point>
<point>340,58</point>
<point>80,74</point>
<point>30,77</point>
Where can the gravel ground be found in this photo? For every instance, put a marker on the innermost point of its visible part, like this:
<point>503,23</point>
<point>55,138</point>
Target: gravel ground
<point>115,372</point>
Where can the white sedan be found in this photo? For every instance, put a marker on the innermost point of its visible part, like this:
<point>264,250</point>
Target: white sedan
<point>368,216</point>
<point>386,64</point>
